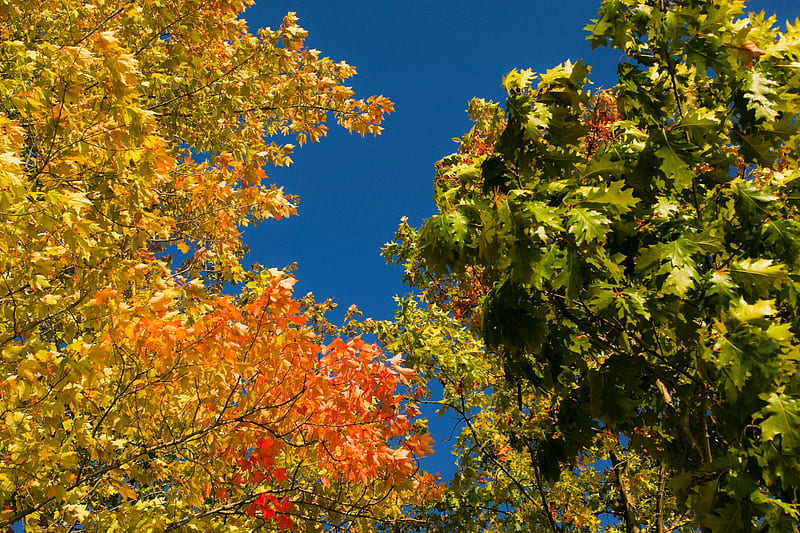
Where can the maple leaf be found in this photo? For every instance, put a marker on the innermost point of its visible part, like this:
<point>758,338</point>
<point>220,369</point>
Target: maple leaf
<point>420,444</point>
<point>279,475</point>
<point>284,522</point>
<point>405,374</point>
<point>674,167</point>
<point>613,199</point>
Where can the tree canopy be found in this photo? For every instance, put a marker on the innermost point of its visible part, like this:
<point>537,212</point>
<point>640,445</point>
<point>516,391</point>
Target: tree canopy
<point>609,290</point>
<point>137,393</point>
<point>608,294</point>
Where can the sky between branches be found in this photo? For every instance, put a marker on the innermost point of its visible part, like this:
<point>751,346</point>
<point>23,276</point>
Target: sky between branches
<point>430,58</point>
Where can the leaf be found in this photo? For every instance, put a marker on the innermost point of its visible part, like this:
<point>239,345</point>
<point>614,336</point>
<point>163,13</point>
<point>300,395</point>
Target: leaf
<point>134,129</point>
<point>758,277</point>
<point>728,518</point>
<point>587,225</point>
<point>698,123</point>
<point>760,92</point>
<point>755,147</point>
<point>720,284</point>
<point>680,280</point>
<point>536,123</point>
<point>518,81</point>
<point>612,199</point>
<point>752,203</point>
<point>781,418</point>
<point>638,301</point>
<point>750,51</point>
<point>673,258</point>
<point>632,306</point>
<point>512,318</point>
<point>444,238</point>
<point>745,312</point>
<point>675,168</point>
<point>565,74</point>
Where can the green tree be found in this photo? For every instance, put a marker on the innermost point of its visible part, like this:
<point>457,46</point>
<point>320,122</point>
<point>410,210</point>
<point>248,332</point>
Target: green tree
<point>135,395</point>
<point>629,258</point>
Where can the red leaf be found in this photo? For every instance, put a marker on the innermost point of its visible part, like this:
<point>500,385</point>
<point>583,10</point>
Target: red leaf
<point>285,522</point>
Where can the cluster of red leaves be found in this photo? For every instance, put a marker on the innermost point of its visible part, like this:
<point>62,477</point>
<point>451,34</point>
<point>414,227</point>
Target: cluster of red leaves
<point>476,144</point>
<point>260,462</point>
<point>265,378</point>
<point>471,288</point>
<point>599,119</point>
<point>271,508</point>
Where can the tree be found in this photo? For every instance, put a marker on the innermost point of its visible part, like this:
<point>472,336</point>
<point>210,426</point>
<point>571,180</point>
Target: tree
<point>630,259</point>
<point>136,393</point>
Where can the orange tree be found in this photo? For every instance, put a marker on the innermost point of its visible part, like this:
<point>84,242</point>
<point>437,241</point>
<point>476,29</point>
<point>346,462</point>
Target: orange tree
<point>134,394</point>
<point>613,276</point>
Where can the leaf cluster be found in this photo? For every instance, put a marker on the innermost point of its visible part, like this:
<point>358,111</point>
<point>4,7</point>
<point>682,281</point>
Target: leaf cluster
<point>135,394</point>
<point>636,258</point>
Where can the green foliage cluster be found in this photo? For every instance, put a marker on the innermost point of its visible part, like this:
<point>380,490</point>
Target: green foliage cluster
<point>631,259</point>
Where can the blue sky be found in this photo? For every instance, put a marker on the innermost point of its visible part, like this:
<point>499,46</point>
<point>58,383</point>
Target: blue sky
<point>430,58</point>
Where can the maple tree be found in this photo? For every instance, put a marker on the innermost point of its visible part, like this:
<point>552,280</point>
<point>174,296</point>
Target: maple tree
<point>135,394</point>
<point>609,291</point>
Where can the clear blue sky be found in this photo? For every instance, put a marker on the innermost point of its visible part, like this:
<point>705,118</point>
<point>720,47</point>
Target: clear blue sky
<point>430,57</point>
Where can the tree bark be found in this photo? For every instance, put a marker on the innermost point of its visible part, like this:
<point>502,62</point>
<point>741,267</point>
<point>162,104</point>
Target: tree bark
<point>625,495</point>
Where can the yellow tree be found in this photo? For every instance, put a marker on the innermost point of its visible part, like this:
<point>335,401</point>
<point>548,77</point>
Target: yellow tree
<point>134,394</point>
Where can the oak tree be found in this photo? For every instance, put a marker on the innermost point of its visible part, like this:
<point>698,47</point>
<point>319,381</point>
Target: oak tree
<point>629,258</point>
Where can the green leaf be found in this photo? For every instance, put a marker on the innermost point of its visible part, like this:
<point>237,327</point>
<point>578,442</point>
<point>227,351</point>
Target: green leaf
<point>727,519</point>
<point>518,81</point>
<point>720,285</point>
<point>758,277</point>
<point>565,74</point>
<point>698,123</point>
<point>674,167</point>
<point>747,354</point>
<point>513,318</point>
<point>612,199</point>
<point>535,211</point>
<point>755,147</point>
<point>745,312</point>
<point>603,166</point>
<point>673,258</point>
<point>782,417</point>
<point>760,95</point>
<point>632,306</point>
<point>751,202</point>
<point>611,25</point>
<point>536,122</point>
<point>601,295</point>
<point>444,238</point>
<point>680,280</point>
<point>587,225</point>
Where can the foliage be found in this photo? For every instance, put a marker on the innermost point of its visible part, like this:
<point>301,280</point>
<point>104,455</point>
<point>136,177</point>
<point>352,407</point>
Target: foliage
<point>630,259</point>
<point>136,395</point>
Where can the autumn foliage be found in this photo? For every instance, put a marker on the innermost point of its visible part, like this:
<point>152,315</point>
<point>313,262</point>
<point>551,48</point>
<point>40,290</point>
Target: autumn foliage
<point>608,292</point>
<point>135,393</point>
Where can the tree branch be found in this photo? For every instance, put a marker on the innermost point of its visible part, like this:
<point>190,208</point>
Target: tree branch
<point>626,496</point>
<point>662,485</point>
